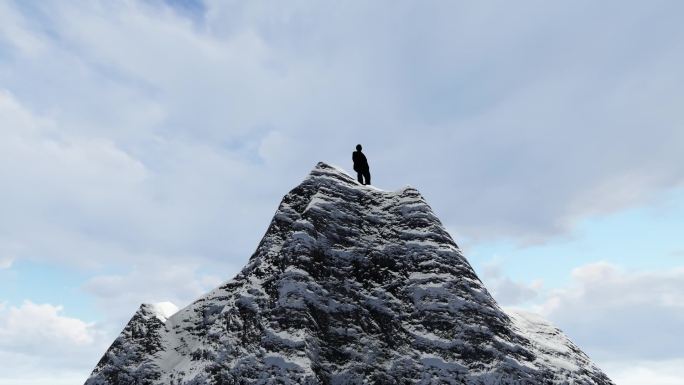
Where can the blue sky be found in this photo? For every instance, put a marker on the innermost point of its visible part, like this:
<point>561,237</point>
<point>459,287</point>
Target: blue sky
<point>146,145</point>
<point>638,238</point>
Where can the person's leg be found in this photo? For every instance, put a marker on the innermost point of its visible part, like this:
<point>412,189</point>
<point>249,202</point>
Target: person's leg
<point>366,175</point>
<point>359,176</point>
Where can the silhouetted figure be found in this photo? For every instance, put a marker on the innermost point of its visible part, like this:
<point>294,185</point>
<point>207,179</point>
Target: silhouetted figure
<point>361,166</point>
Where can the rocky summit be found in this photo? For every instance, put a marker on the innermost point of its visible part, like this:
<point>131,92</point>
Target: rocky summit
<point>349,285</point>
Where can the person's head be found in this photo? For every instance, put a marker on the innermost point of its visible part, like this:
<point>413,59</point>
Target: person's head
<point>358,147</point>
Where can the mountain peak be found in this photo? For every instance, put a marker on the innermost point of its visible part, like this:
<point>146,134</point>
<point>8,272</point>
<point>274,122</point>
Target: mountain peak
<point>337,173</point>
<point>349,285</point>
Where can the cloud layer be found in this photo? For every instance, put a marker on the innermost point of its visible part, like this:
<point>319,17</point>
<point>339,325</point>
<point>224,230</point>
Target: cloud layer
<point>38,342</point>
<point>628,322</point>
<point>139,128</point>
<point>622,315</point>
<point>33,326</point>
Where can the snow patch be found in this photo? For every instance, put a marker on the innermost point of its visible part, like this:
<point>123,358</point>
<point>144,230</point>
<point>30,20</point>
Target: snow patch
<point>163,310</point>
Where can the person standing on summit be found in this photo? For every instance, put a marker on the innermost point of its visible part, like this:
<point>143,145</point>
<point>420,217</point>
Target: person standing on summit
<point>361,166</point>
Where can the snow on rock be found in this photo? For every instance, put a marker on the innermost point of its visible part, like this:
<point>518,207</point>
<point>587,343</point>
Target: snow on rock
<point>349,285</point>
<point>163,310</point>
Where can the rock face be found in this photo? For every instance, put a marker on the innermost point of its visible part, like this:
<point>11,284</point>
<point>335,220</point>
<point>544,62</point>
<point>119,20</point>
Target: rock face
<point>350,285</point>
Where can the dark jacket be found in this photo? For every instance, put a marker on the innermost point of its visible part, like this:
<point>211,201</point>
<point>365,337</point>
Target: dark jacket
<point>360,161</point>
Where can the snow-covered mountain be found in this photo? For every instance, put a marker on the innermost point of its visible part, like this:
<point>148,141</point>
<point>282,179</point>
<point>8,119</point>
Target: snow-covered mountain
<point>350,285</point>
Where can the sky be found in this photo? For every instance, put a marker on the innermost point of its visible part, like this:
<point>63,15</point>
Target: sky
<point>146,145</point>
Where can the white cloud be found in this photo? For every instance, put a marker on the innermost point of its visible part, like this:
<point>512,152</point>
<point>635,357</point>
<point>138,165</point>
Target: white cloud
<point>36,326</point>
<point>278,149</point>
<point>14,28</point>
<point>627,322</point>
<point>39,344</point>
<point>153,281</point>
<point>63,367</point>
<point>177,133</point>
<point>90,167</point>
<point>614,314</point>
<point>666,372</point>
<point>507,291</point>
<point>6,262</point>
<point>85,200</point>
<point>54,185</point>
